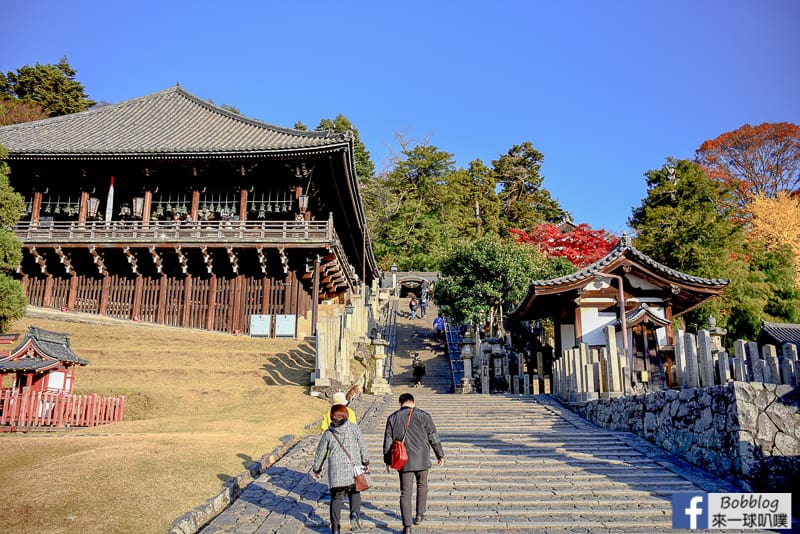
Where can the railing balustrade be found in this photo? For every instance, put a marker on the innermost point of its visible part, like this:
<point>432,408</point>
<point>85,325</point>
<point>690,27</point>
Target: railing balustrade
<point>171,231</point>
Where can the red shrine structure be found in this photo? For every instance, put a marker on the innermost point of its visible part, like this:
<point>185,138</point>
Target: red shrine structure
<point>43,361</point>
<point>171,210</point>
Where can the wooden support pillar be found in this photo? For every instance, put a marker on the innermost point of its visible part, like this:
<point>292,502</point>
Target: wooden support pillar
<point>161,307</point>
<point>315,297</point>
<point>287,295</point>
<point>104,290</point>
<point>187,301</point>
<point>302,307</point>
<point>195,208</point>
<point>243,204</point>
<point>230,320</point>
<point>265,297</point>
<point>48,291</point>
<point>137,297</point>
<point>147,207</point>
<point>212,302</point>
<point>83,208</point>
<point>73,292</point>
<point>36,206</point>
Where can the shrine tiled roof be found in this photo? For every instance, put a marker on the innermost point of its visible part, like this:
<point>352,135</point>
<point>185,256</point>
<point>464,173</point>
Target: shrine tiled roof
<point>53,344</point>
<point>782,332</point>
<point>171,123</point>
<point>26,364</point>
<point>625,247</point>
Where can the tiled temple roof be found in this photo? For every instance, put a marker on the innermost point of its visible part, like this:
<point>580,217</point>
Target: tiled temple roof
<point>697,289</point>
<point>782,332</point>
<point>171,123</point>
<point>55,345</point>
<point>625,246</point>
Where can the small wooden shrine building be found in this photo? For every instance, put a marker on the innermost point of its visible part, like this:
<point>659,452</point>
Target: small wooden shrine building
<point>582,304</point>
<point>168,209</point>
<point>43,361</point>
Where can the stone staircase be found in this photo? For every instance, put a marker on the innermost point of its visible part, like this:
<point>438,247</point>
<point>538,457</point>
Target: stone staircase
<point>513,463</point>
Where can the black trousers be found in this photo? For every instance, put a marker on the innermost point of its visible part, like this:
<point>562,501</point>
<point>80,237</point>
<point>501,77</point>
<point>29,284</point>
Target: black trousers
<point>407,482</point>
<point>337,499</point>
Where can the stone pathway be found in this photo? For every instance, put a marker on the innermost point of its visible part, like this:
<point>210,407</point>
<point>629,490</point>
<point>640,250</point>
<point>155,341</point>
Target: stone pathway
<point>514,463</point>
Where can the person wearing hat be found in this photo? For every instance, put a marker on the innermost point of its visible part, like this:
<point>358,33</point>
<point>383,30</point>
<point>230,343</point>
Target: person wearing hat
<point>338,398</point>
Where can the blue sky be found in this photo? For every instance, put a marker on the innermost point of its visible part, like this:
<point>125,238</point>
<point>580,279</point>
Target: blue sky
<point>605,90</point>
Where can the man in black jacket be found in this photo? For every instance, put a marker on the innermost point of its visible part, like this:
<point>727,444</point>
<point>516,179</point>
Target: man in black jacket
<point>419,431</point>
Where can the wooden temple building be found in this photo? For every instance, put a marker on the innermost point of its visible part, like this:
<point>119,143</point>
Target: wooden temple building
<point>626,289</point>
<point>168,209</point>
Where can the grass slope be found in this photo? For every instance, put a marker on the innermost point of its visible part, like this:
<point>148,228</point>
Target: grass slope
<point>199,407</point>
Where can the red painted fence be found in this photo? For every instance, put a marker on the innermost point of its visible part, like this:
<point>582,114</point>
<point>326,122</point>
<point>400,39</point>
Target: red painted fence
<point>31,410</point>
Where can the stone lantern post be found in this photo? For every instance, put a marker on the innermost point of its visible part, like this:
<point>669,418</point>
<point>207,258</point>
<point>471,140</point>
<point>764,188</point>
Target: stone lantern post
<point>466,356</point>
<point>394,280</point>
<point>487,354</point>
<point>379,384</point>
<point>717,334</point>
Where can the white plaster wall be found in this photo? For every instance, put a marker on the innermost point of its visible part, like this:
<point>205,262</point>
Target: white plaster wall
<point>593,321</point>
<point>567,336</point>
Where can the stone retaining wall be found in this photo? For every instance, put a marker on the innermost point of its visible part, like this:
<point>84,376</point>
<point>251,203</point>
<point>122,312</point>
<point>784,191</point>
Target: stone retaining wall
<point>745,432</point>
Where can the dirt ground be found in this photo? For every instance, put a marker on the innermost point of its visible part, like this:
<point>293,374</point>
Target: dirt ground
<point>199,407</point>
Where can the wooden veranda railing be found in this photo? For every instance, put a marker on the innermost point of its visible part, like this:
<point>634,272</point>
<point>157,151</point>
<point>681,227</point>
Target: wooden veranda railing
<point>100,232</point>
<point>22,410</point>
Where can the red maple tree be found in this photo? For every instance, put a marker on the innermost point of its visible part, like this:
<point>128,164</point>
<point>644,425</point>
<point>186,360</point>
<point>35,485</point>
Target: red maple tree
<point>580,245</point>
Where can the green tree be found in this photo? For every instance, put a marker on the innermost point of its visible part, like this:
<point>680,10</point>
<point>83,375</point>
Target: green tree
<point>687,222</point>
<point>470,208</point>
<point>684,222</point>
<point>53,87</point>
<point>484,279</point>
<point>365,169</point>
<point>411,232</point>
<point>12,297</point>
<point>525,202</point>
<point>762,288</point>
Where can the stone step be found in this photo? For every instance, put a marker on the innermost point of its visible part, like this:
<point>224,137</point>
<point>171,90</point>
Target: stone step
<point>514,464</point>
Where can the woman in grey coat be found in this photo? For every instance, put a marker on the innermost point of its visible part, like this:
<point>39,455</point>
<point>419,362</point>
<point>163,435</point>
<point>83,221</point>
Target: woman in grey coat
<point>340,467</point>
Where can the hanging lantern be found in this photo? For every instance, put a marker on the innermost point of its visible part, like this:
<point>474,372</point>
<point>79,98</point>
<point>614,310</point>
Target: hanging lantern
<point>138,206</point>
<point>93,205</point>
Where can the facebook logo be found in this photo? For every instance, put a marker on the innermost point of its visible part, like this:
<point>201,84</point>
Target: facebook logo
<point>689,510</point>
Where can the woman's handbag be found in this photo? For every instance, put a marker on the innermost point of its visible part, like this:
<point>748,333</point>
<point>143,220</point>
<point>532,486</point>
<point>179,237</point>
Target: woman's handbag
<point>397,452</point>
<point>361,479</point>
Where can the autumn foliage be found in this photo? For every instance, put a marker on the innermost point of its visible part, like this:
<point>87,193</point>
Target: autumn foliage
<point>776,222</point>
<point>754,160</point>
<point>580,245</point>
